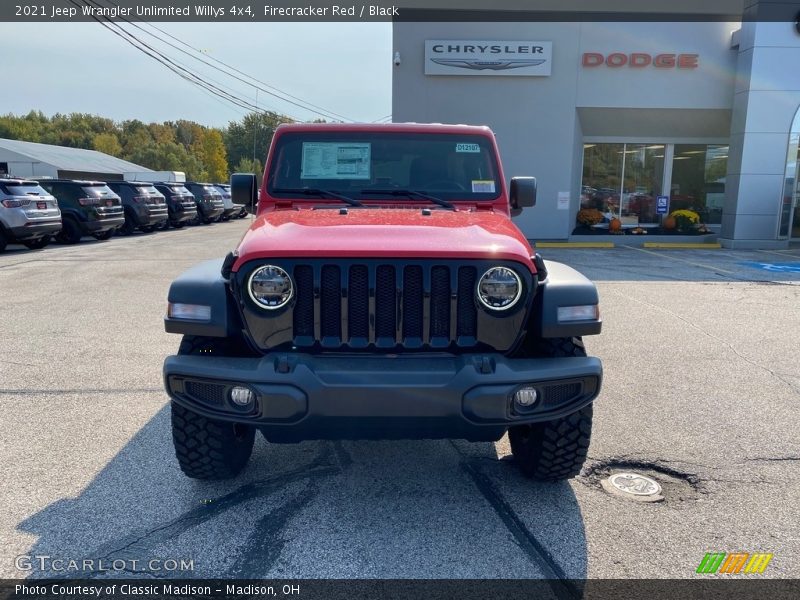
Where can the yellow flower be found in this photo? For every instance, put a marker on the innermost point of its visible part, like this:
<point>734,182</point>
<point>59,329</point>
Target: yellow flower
<point>686,214</point>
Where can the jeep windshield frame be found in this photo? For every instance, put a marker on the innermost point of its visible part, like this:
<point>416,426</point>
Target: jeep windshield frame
<point>375,166</point>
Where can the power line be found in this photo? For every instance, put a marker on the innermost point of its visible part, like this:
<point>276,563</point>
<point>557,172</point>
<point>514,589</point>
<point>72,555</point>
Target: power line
<point>173,66</point>
<point>281,94</point>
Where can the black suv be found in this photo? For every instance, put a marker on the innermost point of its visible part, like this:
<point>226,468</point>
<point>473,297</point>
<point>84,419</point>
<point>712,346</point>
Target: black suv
<point>87,208</point>
<point>145,207</point>
<point>210,205</point>
<point>180,203</point>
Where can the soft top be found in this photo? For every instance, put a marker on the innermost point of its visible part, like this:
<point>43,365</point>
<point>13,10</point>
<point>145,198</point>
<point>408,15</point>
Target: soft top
<point>387,127</point>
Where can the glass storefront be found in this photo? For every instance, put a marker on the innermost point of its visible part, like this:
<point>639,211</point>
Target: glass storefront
<point>698,180</point>
<point>624,181</point>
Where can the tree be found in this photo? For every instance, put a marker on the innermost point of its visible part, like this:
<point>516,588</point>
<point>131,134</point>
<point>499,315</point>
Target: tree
<point>252,133</point>
<point>108,144</point>
<point>210,149</point>
<point>248,165</point>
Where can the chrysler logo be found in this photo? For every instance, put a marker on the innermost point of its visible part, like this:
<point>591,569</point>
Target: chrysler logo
<point>493,65</point>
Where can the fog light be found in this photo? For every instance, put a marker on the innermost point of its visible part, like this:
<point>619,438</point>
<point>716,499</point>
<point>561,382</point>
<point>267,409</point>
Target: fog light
<point>526,397</point>
<point>242,396</point>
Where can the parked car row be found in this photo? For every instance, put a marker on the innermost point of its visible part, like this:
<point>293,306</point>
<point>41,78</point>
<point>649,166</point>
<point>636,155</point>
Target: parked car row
<point>33,213</point>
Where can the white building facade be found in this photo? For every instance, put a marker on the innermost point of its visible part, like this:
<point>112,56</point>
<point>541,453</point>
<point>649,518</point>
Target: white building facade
<point>632,119</point>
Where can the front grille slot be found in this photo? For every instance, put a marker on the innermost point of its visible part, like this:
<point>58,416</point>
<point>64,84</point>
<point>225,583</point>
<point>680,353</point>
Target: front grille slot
<point>467,324</point>
<point>207,393</point>
<point>358,305</point>
<point>340,306</point>
<point>385,306</point>
<point>304,305</point>
<point>331,306</point>
<point>413,299</point>
<point>440,306</point>
<point>561,392</point>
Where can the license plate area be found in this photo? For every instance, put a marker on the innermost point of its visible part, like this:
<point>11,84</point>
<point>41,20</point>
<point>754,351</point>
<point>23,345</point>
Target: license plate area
<point>41,205</point>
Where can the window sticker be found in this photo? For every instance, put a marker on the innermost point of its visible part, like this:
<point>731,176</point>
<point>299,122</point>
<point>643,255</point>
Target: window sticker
<point>335,160</point>
<point>475,148</point>
<point>483,186</point>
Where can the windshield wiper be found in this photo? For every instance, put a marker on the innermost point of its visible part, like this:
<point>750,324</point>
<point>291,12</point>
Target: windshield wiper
<point>411,194</point>
<point>319,192</point>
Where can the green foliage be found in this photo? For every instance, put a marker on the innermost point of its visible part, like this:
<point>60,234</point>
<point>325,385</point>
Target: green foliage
<point>203,153</point>
<point>248,165</point>
<point>251,136</point>
<point>107,143</point>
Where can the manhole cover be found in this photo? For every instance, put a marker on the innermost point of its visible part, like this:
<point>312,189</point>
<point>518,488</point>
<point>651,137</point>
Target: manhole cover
<point>633,486</point>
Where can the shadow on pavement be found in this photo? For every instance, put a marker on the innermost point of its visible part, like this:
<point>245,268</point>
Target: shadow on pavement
<point>408,509</point>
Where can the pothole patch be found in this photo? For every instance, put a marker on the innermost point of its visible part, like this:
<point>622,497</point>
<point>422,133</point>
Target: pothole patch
<point>633,486</point>
<point>642,481</point>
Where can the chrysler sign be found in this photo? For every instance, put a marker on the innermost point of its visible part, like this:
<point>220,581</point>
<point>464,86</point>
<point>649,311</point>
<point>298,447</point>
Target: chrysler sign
<point>481,57</point>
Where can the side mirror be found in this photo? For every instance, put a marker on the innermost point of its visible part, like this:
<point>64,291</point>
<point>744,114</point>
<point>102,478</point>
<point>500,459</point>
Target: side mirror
<point>523,192</point>
<point>244,190</point>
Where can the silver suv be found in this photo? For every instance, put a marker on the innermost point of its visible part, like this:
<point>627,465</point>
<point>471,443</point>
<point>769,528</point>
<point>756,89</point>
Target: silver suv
<point>28,214</point>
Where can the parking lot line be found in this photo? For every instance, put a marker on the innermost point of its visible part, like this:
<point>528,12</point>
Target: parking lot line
<point>688,262</point>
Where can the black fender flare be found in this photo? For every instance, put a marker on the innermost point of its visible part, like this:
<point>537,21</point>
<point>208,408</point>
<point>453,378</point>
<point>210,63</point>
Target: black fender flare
<point>204,284</point>
<point>563,286</point>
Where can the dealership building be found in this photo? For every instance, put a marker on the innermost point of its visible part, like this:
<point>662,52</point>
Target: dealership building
<point>632,119</point>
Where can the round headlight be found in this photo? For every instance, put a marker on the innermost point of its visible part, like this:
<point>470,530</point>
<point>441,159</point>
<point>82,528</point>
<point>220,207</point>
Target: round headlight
<point>499,288</point>
<point>270,287</point>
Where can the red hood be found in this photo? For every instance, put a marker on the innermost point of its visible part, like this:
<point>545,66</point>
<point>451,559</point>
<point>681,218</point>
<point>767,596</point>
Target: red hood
<point>384,232</point>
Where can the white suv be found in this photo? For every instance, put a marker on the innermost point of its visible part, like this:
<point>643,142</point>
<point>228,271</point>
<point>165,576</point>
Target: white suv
<point>28,214</point>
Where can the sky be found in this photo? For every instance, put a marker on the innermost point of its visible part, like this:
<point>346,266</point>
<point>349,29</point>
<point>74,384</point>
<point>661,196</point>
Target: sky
<point>82,67</point>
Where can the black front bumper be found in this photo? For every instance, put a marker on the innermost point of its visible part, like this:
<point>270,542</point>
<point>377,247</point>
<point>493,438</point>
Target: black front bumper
<point>302,396</point>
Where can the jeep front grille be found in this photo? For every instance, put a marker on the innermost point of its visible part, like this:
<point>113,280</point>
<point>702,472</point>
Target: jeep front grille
<point>384,304</point>
<point>354,304</point>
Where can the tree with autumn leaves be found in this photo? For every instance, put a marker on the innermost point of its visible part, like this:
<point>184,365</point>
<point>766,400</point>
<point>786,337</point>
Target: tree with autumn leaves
<point>203,153</point>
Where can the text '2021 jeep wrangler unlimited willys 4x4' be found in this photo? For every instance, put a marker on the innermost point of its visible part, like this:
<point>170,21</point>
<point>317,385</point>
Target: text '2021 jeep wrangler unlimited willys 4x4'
<point>382,292</point>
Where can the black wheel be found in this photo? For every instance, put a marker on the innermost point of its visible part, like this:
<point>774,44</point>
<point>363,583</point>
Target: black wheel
<point>209,448</point>
<point>3,240</point>
<point>104,235</point>
<point>38,243</point>
<point>70,232</point>
<point>177,224</point>
<point>553,450</point>
<point>129,226</point>
<point>147,228</point>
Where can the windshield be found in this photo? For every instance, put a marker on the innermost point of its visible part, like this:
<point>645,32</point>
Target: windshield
<point>98,190</point>
<point>370,165</point>
<point>147,190</point>
<point>22,188</point>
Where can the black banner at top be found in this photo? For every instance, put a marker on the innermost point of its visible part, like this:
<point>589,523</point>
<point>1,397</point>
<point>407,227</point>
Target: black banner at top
<point>396,10</point>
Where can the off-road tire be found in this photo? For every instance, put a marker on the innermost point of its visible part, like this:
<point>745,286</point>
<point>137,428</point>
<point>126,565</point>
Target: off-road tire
<point>70,232</point>
<point>38,243</point>
<point>209,448</point>
<point>553,450</point>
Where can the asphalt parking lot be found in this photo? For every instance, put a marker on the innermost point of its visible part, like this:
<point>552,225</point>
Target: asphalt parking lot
<point>701,391</point>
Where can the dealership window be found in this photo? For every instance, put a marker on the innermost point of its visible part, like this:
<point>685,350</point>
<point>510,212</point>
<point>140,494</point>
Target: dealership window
<point>624,180</point>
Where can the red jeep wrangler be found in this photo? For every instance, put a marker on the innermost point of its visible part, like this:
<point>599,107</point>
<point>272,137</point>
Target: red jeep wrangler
<point>382,292</point>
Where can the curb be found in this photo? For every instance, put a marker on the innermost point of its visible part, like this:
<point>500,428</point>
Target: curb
<point>573,244</point>
<point>683,245</point>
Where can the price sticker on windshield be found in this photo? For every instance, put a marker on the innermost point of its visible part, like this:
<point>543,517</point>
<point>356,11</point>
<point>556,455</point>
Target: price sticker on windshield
<point>468,148</point>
